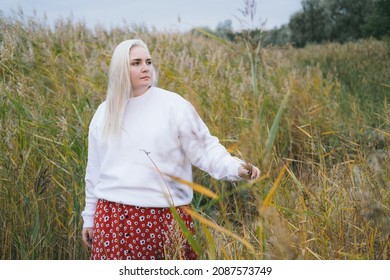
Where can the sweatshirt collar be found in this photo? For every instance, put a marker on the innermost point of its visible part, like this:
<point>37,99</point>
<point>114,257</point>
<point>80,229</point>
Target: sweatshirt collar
<point>142,96</point>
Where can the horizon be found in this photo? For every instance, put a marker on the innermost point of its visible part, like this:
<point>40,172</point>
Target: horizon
<point>170,15</point>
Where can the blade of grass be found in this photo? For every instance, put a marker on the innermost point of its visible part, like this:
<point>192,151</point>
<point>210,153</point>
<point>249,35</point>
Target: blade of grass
<point>210,241</point>
<point>384,85</point>
<point>36,225</point>
<point>238,189</point>
<point>196,187</point>
<point>292,175</point>
<point>275,126</point>
<point>271,193</point>
<point>218,228</point>
<point>210,35</point>
<point>187,233</point>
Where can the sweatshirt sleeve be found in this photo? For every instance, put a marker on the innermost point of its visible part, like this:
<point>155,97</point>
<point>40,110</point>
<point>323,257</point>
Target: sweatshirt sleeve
<point>203,149</point>
<point>91,177</point>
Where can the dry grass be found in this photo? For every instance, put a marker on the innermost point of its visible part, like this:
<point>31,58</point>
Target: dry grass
<point>330,202</point>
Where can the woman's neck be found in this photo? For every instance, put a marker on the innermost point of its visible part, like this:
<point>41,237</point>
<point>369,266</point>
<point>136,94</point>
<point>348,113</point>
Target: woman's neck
<point>139,92</point>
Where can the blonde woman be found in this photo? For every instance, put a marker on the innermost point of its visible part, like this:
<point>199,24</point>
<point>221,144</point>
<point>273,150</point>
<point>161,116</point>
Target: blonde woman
<point>137,136</point>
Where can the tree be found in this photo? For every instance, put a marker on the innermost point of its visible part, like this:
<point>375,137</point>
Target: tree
<point>225,29</point>
<point>348,18</point>
<point>311,25</point>
<point>332,20</point>
<point>378,23</point>
<point>277,36</point>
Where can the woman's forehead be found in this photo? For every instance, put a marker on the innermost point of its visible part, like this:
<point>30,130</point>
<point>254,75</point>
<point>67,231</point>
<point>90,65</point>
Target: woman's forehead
<point>139,51</point>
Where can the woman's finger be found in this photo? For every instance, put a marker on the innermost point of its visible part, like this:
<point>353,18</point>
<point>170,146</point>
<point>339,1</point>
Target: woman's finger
<point>87,236</point>
<point>255,173</point>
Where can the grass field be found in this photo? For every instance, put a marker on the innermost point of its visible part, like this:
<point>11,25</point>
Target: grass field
<point>315,120</point>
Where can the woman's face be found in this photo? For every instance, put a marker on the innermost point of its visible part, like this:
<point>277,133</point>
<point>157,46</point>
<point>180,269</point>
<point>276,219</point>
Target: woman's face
<point>140,70</point>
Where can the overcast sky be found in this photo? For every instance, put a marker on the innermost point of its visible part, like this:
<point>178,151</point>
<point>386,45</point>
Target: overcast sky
<point>162,14</point>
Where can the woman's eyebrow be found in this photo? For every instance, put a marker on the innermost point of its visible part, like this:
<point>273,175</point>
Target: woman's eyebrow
<point>139,59</point>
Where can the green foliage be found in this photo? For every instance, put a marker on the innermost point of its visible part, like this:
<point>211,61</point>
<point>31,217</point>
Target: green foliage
<point>225,29</point>
<point>348,18</point>
<point>277,36</point>
<point>334,20</point>
<point>321,21</point>
<point>312,24</point>
<point>378,23</point>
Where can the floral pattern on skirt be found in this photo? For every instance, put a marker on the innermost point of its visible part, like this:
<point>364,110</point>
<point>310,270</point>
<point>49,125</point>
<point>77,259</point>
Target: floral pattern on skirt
<point>125,232</point>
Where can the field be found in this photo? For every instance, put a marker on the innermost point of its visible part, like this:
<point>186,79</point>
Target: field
<point>315,120</point>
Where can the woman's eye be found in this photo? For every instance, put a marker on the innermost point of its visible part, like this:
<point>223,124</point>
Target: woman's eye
<point>149,62</point>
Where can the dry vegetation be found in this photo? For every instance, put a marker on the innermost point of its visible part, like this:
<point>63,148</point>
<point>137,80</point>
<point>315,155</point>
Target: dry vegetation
<point>317,124</point>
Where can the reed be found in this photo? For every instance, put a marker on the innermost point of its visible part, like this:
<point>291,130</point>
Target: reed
<point>320,118</point>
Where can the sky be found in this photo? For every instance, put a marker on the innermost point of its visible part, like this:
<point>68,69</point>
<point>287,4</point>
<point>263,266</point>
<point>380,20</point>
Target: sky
<point>163,15</point>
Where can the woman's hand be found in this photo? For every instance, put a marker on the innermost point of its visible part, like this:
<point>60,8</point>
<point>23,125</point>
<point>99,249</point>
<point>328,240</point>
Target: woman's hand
<point>87,236</point>
<point>249,172</point>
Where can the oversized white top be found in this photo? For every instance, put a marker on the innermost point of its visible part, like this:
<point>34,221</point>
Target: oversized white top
<point>161,134</point>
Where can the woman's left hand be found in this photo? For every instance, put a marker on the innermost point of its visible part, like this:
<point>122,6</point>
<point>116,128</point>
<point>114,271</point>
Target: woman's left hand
<point>249,172</point>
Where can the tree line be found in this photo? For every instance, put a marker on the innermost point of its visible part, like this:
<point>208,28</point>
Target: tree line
<point>322,21</point>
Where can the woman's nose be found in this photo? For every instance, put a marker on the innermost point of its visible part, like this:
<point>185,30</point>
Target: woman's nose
<point>145,67</point>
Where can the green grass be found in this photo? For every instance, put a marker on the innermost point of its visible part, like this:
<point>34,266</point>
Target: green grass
<point>333,131</point>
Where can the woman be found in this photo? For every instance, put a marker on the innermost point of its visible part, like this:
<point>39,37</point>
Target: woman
<point>139,136</point>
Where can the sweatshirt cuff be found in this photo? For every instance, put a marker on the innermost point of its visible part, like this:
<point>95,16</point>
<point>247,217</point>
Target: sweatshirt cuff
<point>234,169</point>
<point>88,221</point>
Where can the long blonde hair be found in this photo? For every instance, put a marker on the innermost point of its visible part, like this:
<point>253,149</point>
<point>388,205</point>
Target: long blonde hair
<point>119,87</point>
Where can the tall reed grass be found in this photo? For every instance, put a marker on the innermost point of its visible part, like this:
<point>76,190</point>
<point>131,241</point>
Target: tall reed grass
<point>323,150</point>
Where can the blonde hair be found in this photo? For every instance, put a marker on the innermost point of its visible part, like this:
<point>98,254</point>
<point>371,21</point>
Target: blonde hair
<point>119,87</point>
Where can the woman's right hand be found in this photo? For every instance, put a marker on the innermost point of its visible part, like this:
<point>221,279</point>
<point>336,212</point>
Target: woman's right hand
<point>248,171</point>
<point>87,236</point>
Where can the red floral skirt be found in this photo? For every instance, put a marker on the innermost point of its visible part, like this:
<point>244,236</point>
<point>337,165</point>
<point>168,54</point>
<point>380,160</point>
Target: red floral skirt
<point>125,232</point>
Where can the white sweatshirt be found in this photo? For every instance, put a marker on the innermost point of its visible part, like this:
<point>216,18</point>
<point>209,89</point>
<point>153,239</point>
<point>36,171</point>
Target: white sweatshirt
<point>161,134</point>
